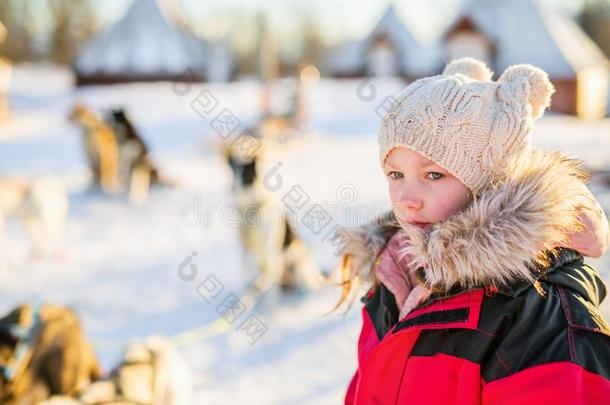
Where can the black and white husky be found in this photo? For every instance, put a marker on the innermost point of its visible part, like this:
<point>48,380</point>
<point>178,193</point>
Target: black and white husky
<point>267,237</point>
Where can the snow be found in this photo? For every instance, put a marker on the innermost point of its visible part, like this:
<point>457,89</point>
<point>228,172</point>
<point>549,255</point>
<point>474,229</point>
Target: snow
<point>121,269</point>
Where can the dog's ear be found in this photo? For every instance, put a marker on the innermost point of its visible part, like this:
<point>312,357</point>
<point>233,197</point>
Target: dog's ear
<point>8,339</point>
<point>117,112</point>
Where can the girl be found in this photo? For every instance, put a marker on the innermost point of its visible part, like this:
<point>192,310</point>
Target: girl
<point>478,289</point>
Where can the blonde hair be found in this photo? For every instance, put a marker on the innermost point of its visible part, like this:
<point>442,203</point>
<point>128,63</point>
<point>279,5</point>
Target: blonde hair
<point>357,262</point>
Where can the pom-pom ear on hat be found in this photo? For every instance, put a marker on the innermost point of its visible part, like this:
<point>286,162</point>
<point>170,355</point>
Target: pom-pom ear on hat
<point>469,67</point>
<point>540,87</point>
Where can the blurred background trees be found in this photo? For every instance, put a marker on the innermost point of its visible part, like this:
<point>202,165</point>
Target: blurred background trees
<point>595,20</point>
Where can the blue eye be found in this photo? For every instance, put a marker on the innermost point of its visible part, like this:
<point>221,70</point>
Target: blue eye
<point>390,175</point>
<point>435,175</point>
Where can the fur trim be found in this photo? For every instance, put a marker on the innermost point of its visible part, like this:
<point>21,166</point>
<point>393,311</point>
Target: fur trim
<point>363,245</point>
<point>502,238</point>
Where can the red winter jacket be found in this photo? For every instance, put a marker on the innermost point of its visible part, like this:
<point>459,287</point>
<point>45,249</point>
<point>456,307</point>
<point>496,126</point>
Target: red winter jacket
<point>512,342</point>
<point>485,347</point>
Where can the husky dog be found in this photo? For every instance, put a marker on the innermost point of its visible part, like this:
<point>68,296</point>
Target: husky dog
<point>42,204</point>
<point>265,233</point>
<point>43,352</point>
<point>101,148</point>
<point>151,372</point>
<point>137,170</point>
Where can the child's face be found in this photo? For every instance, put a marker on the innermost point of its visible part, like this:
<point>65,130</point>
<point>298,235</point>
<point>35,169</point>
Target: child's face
<point>422,193</point>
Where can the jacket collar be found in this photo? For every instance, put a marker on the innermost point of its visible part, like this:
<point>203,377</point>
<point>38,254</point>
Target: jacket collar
<point>558,259</point>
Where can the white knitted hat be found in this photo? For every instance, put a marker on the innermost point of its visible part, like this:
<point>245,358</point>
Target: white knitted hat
<point>465,122</point>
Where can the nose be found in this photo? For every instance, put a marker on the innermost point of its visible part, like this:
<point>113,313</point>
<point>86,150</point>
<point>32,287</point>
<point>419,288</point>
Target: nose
<point>410,198</point>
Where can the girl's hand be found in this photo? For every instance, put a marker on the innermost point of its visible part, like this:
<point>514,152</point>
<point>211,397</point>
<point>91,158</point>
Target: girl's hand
<point>593,240</point>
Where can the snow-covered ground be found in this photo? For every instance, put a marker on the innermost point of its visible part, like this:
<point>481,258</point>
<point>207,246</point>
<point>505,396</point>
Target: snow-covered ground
<point>121,272</point>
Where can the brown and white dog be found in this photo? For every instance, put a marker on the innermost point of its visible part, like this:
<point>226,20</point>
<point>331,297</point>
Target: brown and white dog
<point>43,352</point>
<point>101,148</point>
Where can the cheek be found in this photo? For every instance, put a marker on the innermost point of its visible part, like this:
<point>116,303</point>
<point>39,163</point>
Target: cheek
<point>444,209</point>
<point>455,199</point>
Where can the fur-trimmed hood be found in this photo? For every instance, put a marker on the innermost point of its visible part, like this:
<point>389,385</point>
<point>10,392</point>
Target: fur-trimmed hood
<point>506,236</point>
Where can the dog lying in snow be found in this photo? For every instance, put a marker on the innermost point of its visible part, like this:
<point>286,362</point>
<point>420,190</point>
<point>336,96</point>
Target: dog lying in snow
<point>151,372</point>
<point>43,352</point>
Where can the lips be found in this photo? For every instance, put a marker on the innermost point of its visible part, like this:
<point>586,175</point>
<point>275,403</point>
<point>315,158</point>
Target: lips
<point>421,225</point>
